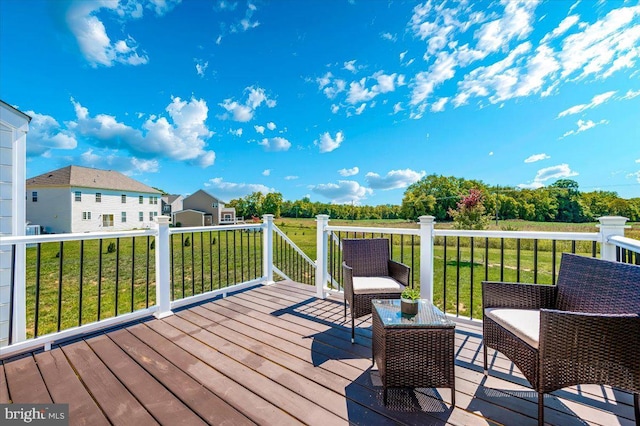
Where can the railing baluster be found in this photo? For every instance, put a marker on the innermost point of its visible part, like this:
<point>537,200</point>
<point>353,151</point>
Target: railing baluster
<point>38,264</point>
<point>182,263</point>
<point>226,237</point>
<point>99,279</point>
<point>518,260</point>
<point>486,259</point>
<point>133,272</point>
<point>553,262</point>
<point>535,261</point>
<point>12,292</point>
<point>201,262</point>
<point>173,265</point>
<point>80,282</point>
<point>471,298</point>
<point>219,261</point>
<point>573,246</point>
<point>211,260</point>
<point>147,273</point>
<point>193,266</point>
<point>60,274</point>
<point>117,275</point>
<point>458,278</point>
<point>444,276</point>
<point>413,271</point>
<point>235,269</point>
<point>501,259</point>
<point>593,249</point>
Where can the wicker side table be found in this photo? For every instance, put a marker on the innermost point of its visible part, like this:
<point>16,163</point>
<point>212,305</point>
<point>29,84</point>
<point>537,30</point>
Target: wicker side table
<point>413,351</point>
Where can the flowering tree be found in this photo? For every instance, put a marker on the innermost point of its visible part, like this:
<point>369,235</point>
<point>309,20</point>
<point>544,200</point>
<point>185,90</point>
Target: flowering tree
<point>470,212</point>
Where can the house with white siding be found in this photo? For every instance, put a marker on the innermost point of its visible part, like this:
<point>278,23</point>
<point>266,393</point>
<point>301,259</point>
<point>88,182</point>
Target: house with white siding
<point>14,126</point>
<point>82,199</point>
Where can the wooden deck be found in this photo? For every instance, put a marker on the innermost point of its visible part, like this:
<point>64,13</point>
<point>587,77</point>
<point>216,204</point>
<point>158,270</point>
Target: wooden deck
<point>276,355</point>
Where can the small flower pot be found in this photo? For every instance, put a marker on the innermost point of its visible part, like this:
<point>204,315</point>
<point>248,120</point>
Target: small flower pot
<point>409,307</point>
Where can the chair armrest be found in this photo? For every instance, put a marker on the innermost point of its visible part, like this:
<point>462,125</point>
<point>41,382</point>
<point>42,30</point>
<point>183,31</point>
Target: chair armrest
<point>347,282</point>
<point>399,272</point>
<point>518,295</point>
<point>577,347</point>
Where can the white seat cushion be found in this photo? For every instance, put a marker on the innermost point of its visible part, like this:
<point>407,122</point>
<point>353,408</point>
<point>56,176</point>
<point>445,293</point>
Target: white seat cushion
<point>524,323</point>
<point>366,285</point>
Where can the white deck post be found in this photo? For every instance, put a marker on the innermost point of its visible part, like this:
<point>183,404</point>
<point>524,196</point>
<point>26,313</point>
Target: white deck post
<point>426,257</point>
<point>321,255</point>
<point>267,249</point>
<point>163,284</point>
<point>610,226</point>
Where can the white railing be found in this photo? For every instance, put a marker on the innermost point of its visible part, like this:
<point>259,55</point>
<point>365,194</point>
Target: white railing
<point>609,238</point>
<point>14,308</point>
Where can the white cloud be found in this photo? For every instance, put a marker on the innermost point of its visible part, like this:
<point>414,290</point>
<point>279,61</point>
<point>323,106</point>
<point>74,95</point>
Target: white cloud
<point>182,139</point>
<point>595,101</point>
<point>244,112</point>
<point>536,157</point>
<point>349,172</point>
<point>638,160</point>
<point>231,190</point>
<point>491,154</point>
<point>106,158</point>
<point>345,191</point>
<point>275,144</point>
<point>359,93</point>
<point>634,174</point>
<point>394,179</point>
<point>631,94</point>
<point>438,105</point>
<point>291,177</point>
<point>259,129</point>
<point>397,108</point>
<point>515,23</point>
<point>91,34</point>
<point>603,47</point>
<point>326,143</point>
<point>266,172</point>
<point>554,172</point>
<point>236,132</point>
<point>351,66</point>
<point>389,36</point>
<point>562,28</point>
<point>361,108</point>
<point>45,134</point>
<point>201,67</point>
<point>583,126</point>
<point>271,125</point>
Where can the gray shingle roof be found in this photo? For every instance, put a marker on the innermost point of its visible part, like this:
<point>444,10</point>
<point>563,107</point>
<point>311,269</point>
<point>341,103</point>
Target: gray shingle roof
<point>84,177</point>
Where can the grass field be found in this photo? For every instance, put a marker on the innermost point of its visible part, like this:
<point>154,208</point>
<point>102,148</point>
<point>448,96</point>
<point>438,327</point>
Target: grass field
<point>94,284</point>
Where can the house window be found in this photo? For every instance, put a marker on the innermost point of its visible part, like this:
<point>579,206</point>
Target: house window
<point>227,217</point>
<point>151,216</point>
<point>86,215</point>
<point>123,217</point>
<point>153,200</point>
<point>107,220</point>
<point>140,216</point>
<point>140,199</point>
<point>123,198</point>
<point>78,196</point>
<point>34,196</point>
<point>99,199</point>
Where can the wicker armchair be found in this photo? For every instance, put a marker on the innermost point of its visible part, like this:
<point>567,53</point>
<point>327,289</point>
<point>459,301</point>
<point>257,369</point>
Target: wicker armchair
<point>369,274</point>
<point>584,330</point>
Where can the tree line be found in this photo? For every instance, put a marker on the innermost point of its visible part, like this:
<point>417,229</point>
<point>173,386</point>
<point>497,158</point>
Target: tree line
<point>439,196</point>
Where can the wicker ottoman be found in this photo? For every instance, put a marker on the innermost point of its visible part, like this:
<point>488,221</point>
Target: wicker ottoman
<point>416,351</point>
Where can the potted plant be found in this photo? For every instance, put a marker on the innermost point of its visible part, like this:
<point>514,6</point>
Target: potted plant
<point>409,301</point>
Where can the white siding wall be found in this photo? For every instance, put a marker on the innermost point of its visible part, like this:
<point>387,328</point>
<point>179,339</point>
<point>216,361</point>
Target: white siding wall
<point>112,204</point>
<point>13,131</point>
<point>52,210</point>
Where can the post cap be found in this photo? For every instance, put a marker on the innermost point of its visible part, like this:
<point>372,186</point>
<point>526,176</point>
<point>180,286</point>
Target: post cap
<point>612,221</point>
<point>267,217</point>
<point>322,217</point>
<point>163,220</point>
<point>427,219</point>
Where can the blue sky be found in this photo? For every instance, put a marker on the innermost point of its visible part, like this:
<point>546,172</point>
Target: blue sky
<point>342,101</point>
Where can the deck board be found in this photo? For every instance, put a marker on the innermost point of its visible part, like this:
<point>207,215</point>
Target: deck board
<point>277,355</point>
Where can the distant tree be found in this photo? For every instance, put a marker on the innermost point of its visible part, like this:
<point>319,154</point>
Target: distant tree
<point>272,204</point>
<point>470,212</point>
<point>568,199</point>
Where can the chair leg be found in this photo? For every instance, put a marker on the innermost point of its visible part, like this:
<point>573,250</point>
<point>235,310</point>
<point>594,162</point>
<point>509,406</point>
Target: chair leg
<point>540,409</point>
<point>636,407</point>
<point>486,368</point>
<point>353,329</point>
